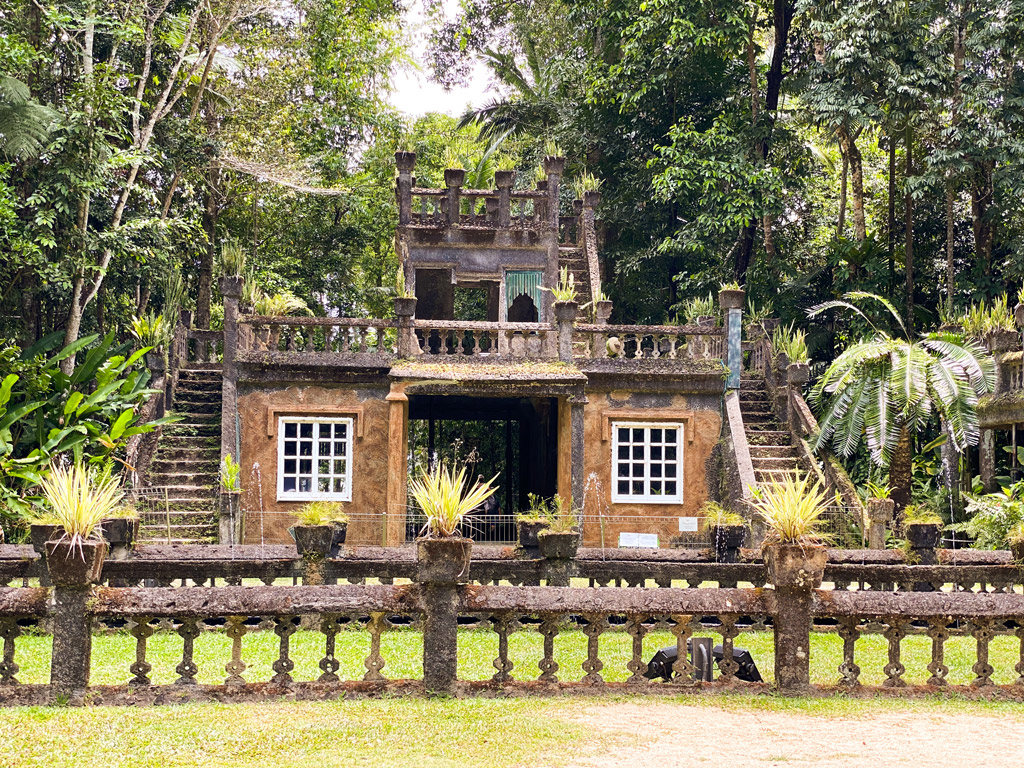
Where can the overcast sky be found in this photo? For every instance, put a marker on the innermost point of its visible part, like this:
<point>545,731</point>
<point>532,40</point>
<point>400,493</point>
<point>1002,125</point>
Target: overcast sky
<point>415,93</point>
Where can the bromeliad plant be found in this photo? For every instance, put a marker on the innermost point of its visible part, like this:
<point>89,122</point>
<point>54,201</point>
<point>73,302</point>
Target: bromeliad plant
<point>565,291</point>
<point>151,330</point>
<point>229,473</point>
<point>792,510</point>
<point>792,343</point>
<point>79,499</point>
<point>717,516</point>
<point>445,499</point>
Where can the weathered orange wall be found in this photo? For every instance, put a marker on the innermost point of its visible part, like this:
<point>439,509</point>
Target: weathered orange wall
<point>644,518</point>
<point>369,457</point>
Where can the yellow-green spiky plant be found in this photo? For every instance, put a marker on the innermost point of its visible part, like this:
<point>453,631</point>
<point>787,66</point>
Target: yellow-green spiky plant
<point>79,500</point>
<point>792,510</point>
<point>445,499</point>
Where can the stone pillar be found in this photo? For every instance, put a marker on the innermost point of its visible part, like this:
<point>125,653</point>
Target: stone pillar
<point>987,461</point>
<point>577,210</point>
<point>405,161</point>
<point>504,180</point>
<point>231,290</point>
<point>879,514</point>
<point>565,316</point>
<point>797,374</point>
<point>731,302</point>
<point>454,178</point>
<point>72,644</point>
<point>440,638</point>
<point>230,523</point>
<point>406,344</point>
<point>393,530</point>
<point>795,572</point>
<point>553,167</point>
<point>576,423</point>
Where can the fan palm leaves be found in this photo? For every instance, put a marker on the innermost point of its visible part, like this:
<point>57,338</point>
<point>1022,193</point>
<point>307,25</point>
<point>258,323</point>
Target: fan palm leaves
<point>884,387</point>
<point>531,108</point>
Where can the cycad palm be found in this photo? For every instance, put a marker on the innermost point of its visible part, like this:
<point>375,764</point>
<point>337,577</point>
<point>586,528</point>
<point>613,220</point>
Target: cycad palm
<point>885,387</point>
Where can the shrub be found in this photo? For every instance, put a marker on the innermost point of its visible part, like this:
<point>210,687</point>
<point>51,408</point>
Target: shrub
<point>792,511</point>
<point>321,513</point>
<point>79,499</point>
<point>445,498</point>
<point>717,516</point>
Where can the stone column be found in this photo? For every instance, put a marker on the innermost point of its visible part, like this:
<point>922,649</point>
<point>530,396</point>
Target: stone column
<point>393,530</point>
<point>576,405</point>
<point>231,290</point>
<point>442,565</point>
<point>454,178</point>
<point>731,302</point>
<point>795,572</point>
<point>879,514</point>
<point>797,374</point>
<point>405,161</point>
<point>406,344</point>
<point>553,167</point>
<point>565,316</point>
<point>72,643</point>
<point>504,180</point>
<point>987,461</point>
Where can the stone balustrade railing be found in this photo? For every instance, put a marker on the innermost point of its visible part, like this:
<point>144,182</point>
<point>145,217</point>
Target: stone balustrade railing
<point>480,340</point>
<point>327,335</point>
<point>345,620</point>
<point>649,342</point>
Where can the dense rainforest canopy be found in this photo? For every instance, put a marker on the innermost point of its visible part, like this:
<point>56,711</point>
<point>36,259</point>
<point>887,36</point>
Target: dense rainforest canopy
<point>804,148</point>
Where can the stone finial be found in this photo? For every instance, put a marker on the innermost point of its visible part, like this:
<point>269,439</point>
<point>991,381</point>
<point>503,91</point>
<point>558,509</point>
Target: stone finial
<point>231,286</point>
<point>405,161</point>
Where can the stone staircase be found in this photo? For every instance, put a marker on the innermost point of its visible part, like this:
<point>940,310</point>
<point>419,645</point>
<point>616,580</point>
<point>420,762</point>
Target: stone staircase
<point>576,260</point>
<point>186,466</point>
<point>771,451</point>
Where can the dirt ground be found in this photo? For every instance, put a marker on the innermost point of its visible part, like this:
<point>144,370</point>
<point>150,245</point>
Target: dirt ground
<point>668,735</point>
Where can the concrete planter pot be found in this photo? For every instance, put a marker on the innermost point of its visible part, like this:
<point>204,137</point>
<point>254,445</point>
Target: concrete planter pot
<point>731,298</point>
<point>120,531</point>
<point>566,311</point>
<point>231,285</point>
<point>1018,314</point>
<point>558,545</point>
<point>727,540</point>
<point>340,533</point>
<point>443,561</point>
<point>405,161</point>
<point>795,566</point>
<point>1002,341</point>
<point>313,540</point>
<point>554,165</point>
<point>923,535</point>
<point>155,361</point>
<point>504,179</point>
<point>527,531</point>
<point>602,311</point>
<point>1017,550</point>
<point>880,510</point>
<point>39,534</point>
<point>798,374</point>
<point>75,566</point>
<point>591,199</point>
<point>454,177</point>
<point>229,527</point>
<point>405,306</point>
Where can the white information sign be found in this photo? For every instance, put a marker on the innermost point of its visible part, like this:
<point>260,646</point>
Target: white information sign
<point>687,524</point>
<point>638,540</point>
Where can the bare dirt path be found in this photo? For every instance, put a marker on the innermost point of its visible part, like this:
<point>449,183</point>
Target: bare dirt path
<point>668,735</point>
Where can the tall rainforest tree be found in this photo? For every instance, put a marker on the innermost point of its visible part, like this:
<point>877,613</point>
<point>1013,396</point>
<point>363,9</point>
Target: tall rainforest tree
<point>886,387</point>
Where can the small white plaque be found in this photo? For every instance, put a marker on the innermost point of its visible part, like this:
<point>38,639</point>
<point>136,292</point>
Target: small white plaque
<point>647,540</point>
<point>687,524</point>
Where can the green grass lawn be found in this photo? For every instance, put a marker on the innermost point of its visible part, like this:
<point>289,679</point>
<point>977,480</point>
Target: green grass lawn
<point>384,733</point>
<point>401,650</point>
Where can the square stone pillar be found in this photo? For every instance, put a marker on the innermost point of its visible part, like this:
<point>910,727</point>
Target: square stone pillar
<point>731,302</point>
<point>393,530</point>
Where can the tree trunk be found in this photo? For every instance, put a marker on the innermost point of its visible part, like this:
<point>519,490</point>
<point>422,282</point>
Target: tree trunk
<point>860,230</point>
<point>891,224</point>
<point>950,235</point>
<point>841,225</point>
<point>901,469</point>
<point>908,228</point>
<point>982,191</point>
<point>209,253</point>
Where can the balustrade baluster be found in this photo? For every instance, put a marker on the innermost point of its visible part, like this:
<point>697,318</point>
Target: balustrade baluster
<point>596,625</point>
<point>374,663</point>
<point>503,625</point>
<point>938,631</point>
<point>548,666</point>
<point>329,664</point>
<point>1019,666</point>
<point>187,669</point>
<point>895,631</point>
<point>683,629</point>
<point>849,632</point>
<point>236,631</point>
<point>141,630</point>
<point>637,630</point>
<point>9,632</point>
<point>284,628</point>
<point>982,631</point>
<point>728,666</point>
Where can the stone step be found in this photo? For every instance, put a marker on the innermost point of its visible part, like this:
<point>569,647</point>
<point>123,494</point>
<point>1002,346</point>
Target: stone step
<point>180,480</point>
<point>187,453</point>
<point>186,465</point>
<point>764,463</point>
<point>772,451</point>
<point>190,442</point>
<point>197,408</point>
<point>768,475</point>
<point>187,429</point>
<point>204,505</point>
<point>761,420</point>
<point>768,437</point>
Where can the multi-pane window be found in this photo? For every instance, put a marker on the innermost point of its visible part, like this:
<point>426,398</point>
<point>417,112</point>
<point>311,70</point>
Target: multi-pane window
<point>314,459</point>
<point>647,462</point>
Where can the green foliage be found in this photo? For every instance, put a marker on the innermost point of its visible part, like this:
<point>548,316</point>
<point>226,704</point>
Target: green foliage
<point>45,414</point>
<point>445,499</point>
<point>321,513</point>
<point>791,342</point>
<point>878,490</point>
<point>229,473</point>
<point>566,288</point>
<point>79,498</point>
<point>280,305</point>
<point>151,330</point>
<point>232,258</point>
<point>987,317</point>
<point>920,514</point>
<point>792,510</point>
<point>586,182</point>
<point>555,513</point>
<point>698,308</point>
<point>993,516</point>
<point>717,516</point>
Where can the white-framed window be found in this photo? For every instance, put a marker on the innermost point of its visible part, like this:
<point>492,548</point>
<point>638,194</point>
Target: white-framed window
<point>647,462</point>
<point>314,459</point>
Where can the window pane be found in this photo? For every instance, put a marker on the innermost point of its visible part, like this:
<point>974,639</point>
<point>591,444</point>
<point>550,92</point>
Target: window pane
<point>638,452</point>
<point>638,435</point>
<point>290,447</point>
<point>623,435</point>
<point>670,487</point>
<point>338,485</point>
<point>289,466</point>
<point>670,453</point>
<point>339,449</point>
<point>291,429</point>
<point>623,487</point>
<point>656,488</point>
<point>306,466</point>
<point>655,453</point>
<point>324,484</point>
<point>670,436</point>
<point>325,449</point>
<point>305,484</point>
<point>655,470</point>
<point>305,430</point>
<point>289,484</point>
<point>638,488</point>
<point>670,470</point>
<point>323,467</point>
<point>339,467</point>
<point>655,435</point>
<point>624,452</point>
<point>306,447</point>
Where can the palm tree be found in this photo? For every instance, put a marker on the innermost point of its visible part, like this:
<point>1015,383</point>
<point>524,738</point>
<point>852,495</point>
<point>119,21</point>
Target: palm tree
<point>24,123</point>
<point>531,109</point>
<point>885,387</point>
